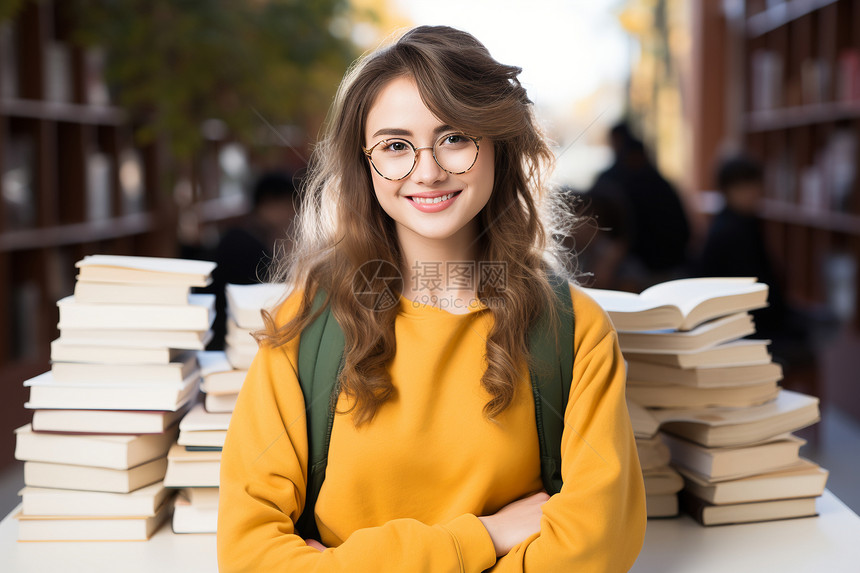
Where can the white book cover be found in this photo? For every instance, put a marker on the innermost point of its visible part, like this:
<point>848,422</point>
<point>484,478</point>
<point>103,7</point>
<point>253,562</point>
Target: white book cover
<point>202,438</point>
<point>244,302</point>
<point>115,451</point>
<point>64,351</point>
<point>149,264</point>
<point>89,478</point>
<point>237,331</point>
<point>221,402</point>
<point>84,528</point>
<point>198,419</point>
<point>212,362</point>
<point>46,393</point>
<point>103,421</point>
<point>229,382</point>
<point>161,339</point>
<point>240,358</point>
<point>119,293</point>
<point>196,316</point>
<point>241,340</point>
<point>192,469</point>
<point>202,496</point>
<point>191,517</point>
<point>50,501</point>
<point>95,373</point>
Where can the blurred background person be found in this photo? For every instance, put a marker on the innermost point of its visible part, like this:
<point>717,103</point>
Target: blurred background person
<point>735,246</point>
<point>245,251</point>
<point>657,230</point>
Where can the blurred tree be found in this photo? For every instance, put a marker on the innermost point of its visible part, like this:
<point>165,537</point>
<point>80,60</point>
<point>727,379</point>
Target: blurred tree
<point>175,63</point>
<point>9,8</point>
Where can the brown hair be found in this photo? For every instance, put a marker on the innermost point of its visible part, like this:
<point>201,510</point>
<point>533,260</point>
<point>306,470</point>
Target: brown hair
<point>342,226</point>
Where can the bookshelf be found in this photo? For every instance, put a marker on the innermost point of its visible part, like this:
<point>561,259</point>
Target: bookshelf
<point>74,182</point>
<point>796,81</point>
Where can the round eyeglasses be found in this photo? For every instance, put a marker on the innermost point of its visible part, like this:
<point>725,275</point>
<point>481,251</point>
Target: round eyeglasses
<point>394,159</point>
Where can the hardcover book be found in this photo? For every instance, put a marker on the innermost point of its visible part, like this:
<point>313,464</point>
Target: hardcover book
<point>88,478</point>
<point>244,302</point>
<point>87,528</point>
<point>116,452</point>
<point>147,270</point>
<point>700,338</point>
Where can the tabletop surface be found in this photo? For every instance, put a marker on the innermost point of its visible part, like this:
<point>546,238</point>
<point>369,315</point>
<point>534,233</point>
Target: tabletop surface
<point>830,542</point>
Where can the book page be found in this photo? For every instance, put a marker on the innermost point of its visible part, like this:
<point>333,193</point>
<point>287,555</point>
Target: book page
<point>686,294</point>
<point>152,264</point>
<point>620,301</point>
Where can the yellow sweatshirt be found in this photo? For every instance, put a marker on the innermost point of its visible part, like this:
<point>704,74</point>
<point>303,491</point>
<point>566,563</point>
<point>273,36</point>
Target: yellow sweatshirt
<point>403,493</point>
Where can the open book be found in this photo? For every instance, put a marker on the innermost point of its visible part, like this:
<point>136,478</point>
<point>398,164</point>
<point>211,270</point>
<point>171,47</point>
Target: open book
<point>680,304</point>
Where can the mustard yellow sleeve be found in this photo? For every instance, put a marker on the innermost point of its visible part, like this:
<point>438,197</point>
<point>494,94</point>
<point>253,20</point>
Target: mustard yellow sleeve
<point>263,475</point>
<point>596,523</point>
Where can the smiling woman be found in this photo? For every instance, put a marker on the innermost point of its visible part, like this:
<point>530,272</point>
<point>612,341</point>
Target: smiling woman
<point>428,186</point>
<point>453,180</point>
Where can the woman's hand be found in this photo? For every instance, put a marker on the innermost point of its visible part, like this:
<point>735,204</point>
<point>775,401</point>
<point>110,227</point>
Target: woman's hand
<point>515,522</point>
<point>315,544</point>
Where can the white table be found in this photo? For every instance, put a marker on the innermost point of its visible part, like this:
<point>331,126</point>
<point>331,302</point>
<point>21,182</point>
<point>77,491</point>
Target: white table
<point>830,542</point>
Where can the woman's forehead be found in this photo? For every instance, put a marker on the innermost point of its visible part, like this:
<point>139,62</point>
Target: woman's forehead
<point>398,110</point>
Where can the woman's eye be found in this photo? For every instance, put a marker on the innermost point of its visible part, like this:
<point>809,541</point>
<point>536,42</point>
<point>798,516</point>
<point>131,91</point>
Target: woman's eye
<point>396,146</point>
<point>454,140</point>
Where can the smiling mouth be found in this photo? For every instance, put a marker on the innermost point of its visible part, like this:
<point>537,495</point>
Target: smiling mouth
<point>431,201</point>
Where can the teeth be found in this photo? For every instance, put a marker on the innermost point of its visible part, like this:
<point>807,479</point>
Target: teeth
<point>433,200</point>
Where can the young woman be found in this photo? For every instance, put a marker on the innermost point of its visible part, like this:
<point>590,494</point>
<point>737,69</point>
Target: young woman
<point>422,221</point>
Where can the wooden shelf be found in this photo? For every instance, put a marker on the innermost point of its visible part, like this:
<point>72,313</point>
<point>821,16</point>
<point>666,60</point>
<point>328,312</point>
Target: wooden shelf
<point>786,118</point>
<point>782,14</point>
<point>782,212</point>
<point>60,111</point>
<point>37,238</point>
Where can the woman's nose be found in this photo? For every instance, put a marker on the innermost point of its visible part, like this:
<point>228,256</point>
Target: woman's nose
<point>426,169</point>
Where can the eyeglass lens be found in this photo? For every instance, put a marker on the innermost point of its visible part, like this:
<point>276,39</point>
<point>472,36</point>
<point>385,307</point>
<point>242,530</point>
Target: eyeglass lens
<point>395,158</point>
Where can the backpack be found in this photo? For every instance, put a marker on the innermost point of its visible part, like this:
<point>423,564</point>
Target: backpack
<point>550,370</point>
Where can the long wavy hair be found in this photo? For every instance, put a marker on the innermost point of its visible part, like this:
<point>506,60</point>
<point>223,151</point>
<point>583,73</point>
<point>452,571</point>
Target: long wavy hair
<point>341,225</point>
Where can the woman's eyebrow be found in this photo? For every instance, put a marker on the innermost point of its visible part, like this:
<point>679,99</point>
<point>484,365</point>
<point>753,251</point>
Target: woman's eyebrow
<point>406,133</point>
<point>392,131</point>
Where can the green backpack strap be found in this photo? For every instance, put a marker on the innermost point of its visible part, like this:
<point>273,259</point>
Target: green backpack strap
<point>550,369</point>
<point>551,372</point>
<point>321,347</point>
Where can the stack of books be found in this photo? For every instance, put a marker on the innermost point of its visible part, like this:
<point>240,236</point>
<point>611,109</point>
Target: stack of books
<point>244,316</point>
<point>194,461</point>
<point>124,371</point>
<point>742,465</point>
<point>662,483</point>
<point>715,396</point>
<point>224,372</point>
<point>194,466</point>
